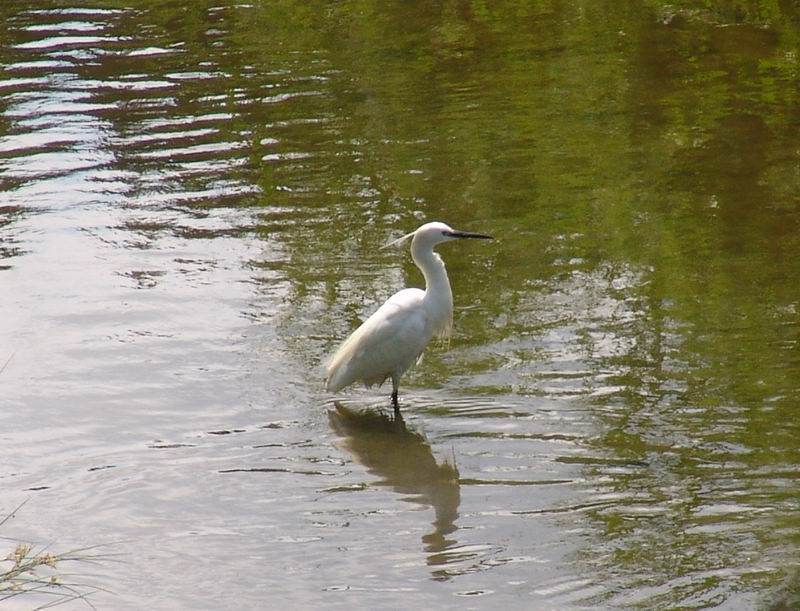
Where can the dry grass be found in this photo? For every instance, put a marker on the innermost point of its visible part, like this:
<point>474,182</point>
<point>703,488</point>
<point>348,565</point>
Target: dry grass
<point>41,575</point>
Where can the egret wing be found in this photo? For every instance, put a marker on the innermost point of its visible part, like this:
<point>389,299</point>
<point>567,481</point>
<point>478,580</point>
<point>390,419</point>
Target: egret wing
<point>388,342</point>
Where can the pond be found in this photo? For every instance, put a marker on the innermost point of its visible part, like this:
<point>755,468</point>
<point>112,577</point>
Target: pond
<point>193,200</point>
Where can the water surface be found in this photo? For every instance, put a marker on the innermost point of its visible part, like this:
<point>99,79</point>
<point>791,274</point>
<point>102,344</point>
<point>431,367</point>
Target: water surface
<point>192,200</point>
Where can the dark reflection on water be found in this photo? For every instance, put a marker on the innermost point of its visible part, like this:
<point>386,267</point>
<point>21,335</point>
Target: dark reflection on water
<point>403,459</point>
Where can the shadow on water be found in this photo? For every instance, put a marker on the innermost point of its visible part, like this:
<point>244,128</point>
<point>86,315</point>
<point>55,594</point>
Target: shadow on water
<point>403,459</point>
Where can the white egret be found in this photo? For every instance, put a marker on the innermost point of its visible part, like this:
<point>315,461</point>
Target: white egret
<point>394,337</point>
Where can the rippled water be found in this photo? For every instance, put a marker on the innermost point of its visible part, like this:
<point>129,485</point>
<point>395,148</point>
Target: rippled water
<point>192,201</point>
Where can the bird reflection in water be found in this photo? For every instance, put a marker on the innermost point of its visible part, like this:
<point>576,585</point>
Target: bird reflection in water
<point>403,459</point>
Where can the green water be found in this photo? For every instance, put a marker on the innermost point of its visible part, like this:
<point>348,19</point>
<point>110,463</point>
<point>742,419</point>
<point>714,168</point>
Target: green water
<point>193,196</point>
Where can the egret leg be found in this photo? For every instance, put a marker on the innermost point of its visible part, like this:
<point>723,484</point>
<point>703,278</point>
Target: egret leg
<point>395,402</point>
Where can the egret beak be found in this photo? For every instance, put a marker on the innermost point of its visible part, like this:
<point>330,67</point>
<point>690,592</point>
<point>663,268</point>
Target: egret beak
<point>469,234</point>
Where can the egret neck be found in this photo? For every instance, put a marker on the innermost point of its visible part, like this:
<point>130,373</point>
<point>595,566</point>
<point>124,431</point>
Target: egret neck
<point>438,298</point>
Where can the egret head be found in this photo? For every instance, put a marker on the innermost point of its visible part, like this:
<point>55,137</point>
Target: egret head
<point>431,234</point>
<point>436,233</point>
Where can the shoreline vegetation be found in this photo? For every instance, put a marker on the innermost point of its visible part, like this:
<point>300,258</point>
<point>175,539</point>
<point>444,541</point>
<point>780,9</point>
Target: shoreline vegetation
<point>36,571</point>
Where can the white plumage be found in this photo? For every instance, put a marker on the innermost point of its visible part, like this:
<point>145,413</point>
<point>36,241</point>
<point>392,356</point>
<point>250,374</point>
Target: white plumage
<point>394,337</point>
